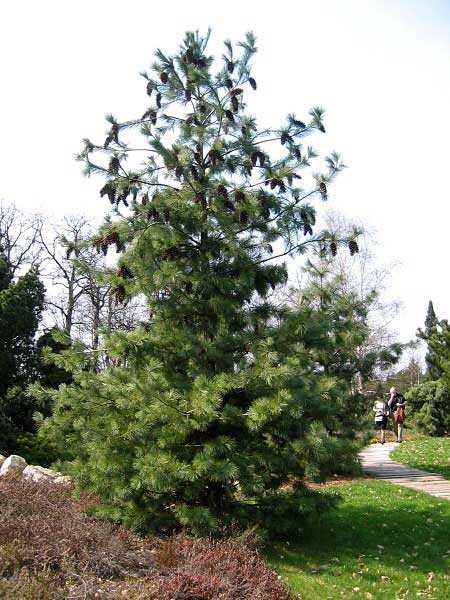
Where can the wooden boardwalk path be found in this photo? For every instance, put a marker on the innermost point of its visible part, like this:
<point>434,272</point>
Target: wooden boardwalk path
<point>376,462</point>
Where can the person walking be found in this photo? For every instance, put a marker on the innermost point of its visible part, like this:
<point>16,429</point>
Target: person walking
<point>381,411</point>
<point>397,404</point>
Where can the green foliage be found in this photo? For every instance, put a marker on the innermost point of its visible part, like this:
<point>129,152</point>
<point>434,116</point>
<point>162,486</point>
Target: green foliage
<point>429,404</point>
<point>35,449</point>
<point>21,304</point>
<point>430,401</point>
<point>220,399</point>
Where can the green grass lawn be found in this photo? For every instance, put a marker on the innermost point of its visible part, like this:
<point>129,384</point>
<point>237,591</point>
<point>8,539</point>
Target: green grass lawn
<point>382,542</point>
<point>429,454</point>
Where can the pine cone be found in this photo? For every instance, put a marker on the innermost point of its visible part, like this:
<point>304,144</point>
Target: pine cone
<point>333,248</point>
<point>229,115</point>
<point>153,117</point>
<point>115,132</point>
<point>236,92</point>
<point>239,196</point>
<point>153,215</point>
<point>273,183</point>
<point>110,191</point>
<point>230,66</point>
<point>353,247</point>
<point>281,186</point>
<point>222,191</point>
<point>323,188</point>
<point>114,165</point>
<point>243,218</point>
<point>229,205</point>
<point>321,128</point>
<point>123,197</point>
<point>254,158</point>
<point>178,171</point>
<point>188,94</point>
<point>164,77</point>
<point>111,238</point>
<point>228,83</point>
<point>150,88</point>
<point>194,173</point>
<point>158,99</point>
<point>262,159</point>
<point>144,199</point>
<point>235,104</point>
<point>284,138</point>
<point>124,272</point>
<point>252,82</point>
<point>119,294</point>
<point>214,156</point>
<point>299,124</point>
<point>188,57</point>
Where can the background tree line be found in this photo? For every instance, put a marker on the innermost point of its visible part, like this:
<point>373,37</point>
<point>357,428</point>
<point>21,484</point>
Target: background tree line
<point>48,282</point>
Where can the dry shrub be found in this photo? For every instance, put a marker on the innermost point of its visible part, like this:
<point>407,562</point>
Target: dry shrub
<point>204,569</point>
<point>51,550</point>
<point>42,527</point>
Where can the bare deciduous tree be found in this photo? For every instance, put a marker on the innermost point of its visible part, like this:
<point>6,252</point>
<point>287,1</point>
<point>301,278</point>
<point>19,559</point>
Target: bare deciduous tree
<point>19,234</point>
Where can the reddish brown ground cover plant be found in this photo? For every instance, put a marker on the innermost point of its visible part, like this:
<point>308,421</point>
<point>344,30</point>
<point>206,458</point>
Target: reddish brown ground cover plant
<point>50,549</point>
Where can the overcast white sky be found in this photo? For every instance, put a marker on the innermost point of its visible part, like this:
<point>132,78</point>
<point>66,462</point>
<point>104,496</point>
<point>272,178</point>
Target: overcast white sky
<point>380,68</point>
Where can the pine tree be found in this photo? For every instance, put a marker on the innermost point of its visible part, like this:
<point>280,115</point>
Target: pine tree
<point>203,414</point>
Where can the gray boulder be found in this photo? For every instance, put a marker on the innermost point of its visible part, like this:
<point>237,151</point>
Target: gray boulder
<point>37,473</point>
<point>13,464</point>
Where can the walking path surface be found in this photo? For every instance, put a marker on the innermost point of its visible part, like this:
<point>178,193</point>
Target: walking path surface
<point>376,462</point>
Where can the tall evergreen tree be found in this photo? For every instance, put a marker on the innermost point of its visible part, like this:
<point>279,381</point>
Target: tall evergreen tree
<point>430,401</point>
<point>203,414</point>
<point>21,304</point>
<point>430,329</point>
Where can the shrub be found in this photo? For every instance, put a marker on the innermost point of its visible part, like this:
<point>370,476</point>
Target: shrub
<point>51,550</point>
<point>429,404</point>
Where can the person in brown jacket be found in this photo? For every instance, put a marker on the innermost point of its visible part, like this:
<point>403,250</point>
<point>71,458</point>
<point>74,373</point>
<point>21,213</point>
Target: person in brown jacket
<point>397,404</point>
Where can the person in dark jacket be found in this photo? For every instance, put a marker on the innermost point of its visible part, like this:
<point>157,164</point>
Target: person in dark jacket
<point>397,404</point>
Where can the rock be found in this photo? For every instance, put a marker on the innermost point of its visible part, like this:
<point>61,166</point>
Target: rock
<point>13,464</point>
<point>46,471</point>
<point>37,473</point>
<point>2,459</point>
<point>63,480</point>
